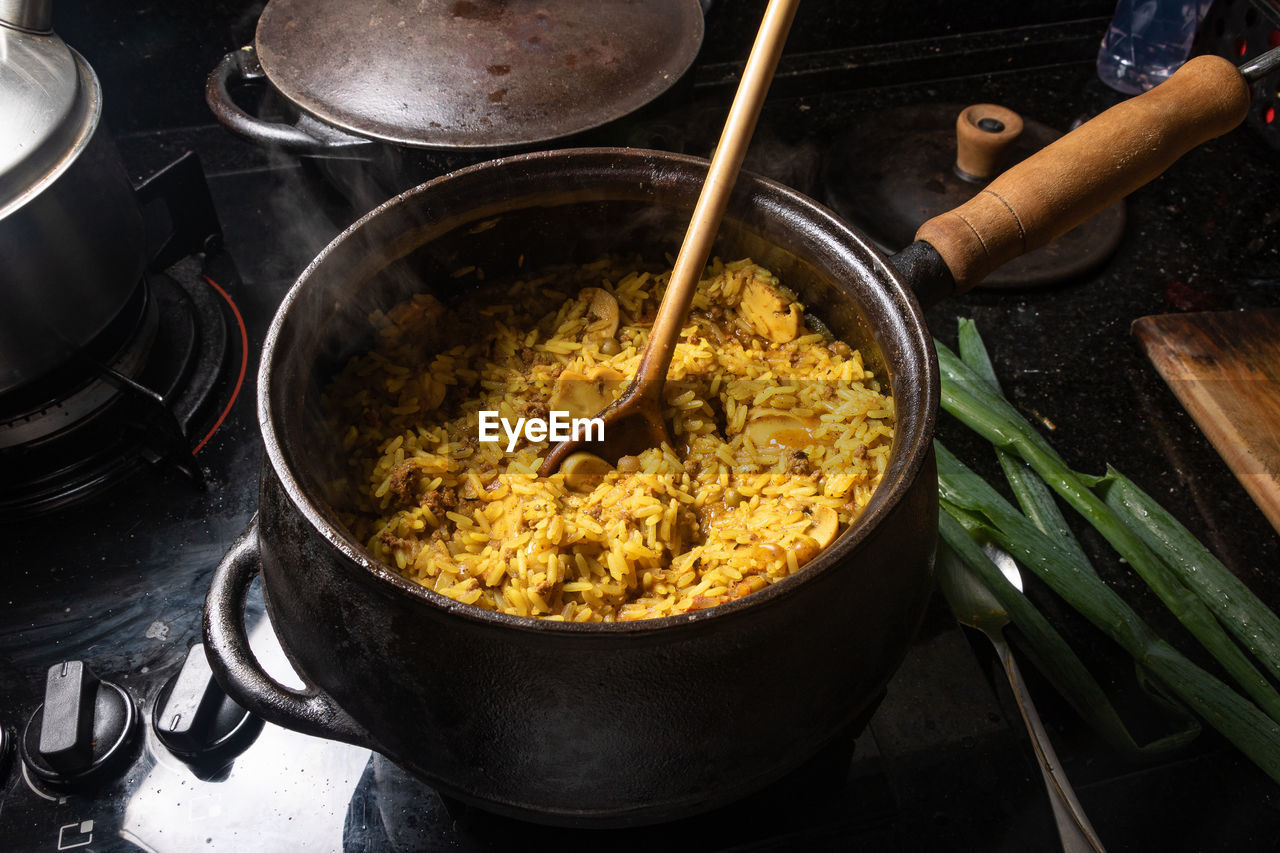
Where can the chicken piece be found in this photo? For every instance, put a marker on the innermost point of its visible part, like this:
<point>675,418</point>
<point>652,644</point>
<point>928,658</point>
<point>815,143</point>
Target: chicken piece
<point>584,393</point>
<point>771,314</point>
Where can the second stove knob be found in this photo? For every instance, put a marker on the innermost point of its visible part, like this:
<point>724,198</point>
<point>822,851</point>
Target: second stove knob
<point>196,720</point>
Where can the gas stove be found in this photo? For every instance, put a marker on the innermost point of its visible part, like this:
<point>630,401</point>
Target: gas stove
<point>109,588</point>
<point>137,394</point>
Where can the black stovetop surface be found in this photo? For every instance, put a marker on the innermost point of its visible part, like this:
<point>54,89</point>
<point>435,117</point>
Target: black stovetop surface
<point>945,763</point>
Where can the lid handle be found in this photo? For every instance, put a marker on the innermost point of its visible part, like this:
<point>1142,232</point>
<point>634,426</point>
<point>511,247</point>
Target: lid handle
<point>35,16</point>
<point>985,133</point>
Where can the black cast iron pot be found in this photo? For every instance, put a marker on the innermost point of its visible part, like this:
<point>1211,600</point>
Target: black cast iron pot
<point>570,723</point>
<point>647,721</point>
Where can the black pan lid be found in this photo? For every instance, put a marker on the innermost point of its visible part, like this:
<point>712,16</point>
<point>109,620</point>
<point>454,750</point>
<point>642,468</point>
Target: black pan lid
<point>475,73</point>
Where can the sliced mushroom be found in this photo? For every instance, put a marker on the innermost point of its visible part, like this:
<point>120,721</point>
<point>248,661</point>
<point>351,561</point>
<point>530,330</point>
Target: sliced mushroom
<point>825,525</point>
<point>583,471</point>
<point>783,431</point>
<point>584,393</point>
<point>770,313</point>
<point>602,316</point>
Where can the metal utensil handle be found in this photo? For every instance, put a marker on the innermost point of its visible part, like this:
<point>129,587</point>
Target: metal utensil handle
<point>238,671</point>
<point>243,64</point>
<point>1077,834</point>
<point>1261,65</point>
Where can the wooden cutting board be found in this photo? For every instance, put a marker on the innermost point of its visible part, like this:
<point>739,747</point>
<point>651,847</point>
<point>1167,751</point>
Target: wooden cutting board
<point>1224,366</point>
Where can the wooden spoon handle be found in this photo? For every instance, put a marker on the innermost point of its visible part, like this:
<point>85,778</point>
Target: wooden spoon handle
<point>1088,170</point>
<point>714,198</point>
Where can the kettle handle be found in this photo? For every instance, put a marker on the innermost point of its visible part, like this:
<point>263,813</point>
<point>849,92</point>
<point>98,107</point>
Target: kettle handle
<point>243,65</point>
<point>310,711</point>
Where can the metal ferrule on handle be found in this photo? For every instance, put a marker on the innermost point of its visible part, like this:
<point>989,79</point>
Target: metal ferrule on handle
<point>1261,65</point>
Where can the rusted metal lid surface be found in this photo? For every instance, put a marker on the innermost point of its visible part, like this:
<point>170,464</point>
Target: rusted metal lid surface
<point>475,73</point>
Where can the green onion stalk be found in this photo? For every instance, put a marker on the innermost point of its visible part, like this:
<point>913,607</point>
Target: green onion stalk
<point>984,514</point>
<point>1059,663</point>
<point>967,395</point>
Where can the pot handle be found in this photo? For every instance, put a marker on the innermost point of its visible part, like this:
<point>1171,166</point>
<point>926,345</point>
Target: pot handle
<point>243,65</point>
<point>1088,169</point>
<point>226,643</point>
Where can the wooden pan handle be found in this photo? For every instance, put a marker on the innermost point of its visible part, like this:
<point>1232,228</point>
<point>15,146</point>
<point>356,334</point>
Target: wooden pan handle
<point>1088,170</point>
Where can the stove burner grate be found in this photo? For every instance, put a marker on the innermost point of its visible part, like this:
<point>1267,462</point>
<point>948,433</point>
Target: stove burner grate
<point>147,390</point>
<point>147,402</point>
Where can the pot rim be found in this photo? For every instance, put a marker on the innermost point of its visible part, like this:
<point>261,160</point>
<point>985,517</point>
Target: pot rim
<point>910,450</point>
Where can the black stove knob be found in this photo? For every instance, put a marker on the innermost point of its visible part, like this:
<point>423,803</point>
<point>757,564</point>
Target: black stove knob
<point>84,732</point>
<point>196,720</point>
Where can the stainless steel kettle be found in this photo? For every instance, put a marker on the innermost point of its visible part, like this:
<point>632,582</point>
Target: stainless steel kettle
<point>72,247</point>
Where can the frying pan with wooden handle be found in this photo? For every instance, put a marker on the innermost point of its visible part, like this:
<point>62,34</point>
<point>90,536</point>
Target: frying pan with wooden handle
<point>1081,174</point>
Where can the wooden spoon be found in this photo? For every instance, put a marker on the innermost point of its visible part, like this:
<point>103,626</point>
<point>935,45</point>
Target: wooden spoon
<point>633,423</point>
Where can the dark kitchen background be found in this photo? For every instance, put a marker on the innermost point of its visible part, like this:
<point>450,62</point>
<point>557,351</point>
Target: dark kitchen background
<point>117,581</point>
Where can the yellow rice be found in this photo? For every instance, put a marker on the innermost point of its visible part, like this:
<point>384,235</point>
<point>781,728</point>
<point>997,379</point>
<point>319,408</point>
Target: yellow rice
<point>685,528</point>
